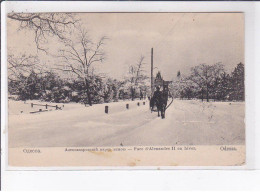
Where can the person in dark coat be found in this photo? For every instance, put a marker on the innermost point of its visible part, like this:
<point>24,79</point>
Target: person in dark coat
<point>157,94</point>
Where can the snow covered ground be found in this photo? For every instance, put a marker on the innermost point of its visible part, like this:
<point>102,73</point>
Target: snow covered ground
<point>187,123</point>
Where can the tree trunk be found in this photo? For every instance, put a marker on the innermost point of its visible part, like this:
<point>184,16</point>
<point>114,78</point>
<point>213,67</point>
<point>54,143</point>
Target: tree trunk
<point>88,92</point>
<point>132,93</point>
<point>202,94</point>
<point>207,94</point>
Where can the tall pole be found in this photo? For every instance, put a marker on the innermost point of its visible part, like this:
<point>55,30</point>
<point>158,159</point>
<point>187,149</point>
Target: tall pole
<point>152,88</point>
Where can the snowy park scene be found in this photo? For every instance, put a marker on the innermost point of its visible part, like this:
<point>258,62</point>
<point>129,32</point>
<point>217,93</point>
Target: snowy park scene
<point>125,79</point>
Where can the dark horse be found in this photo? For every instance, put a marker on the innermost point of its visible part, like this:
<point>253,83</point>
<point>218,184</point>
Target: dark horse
<point>159,99</point>
<point>152,103</point>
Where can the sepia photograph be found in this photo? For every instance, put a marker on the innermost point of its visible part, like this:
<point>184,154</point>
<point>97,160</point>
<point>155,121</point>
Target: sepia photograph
<point>119,82</point>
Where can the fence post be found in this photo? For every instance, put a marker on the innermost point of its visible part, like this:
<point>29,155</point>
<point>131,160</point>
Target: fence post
<point>56,107</point>
<point>106,109</point>
<point>46,106</point>
<point>138,104</point>
<point>127,106</point>
<point>32,105</point>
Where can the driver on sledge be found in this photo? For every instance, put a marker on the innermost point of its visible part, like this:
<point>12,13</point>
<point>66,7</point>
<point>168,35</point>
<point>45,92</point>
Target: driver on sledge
<point>157,94</point>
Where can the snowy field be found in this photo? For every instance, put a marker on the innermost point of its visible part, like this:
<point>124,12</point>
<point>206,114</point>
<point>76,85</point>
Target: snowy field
<point>187,123</point>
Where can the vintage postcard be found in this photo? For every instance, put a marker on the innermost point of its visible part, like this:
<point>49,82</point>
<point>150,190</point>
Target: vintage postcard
<point>125,89</point>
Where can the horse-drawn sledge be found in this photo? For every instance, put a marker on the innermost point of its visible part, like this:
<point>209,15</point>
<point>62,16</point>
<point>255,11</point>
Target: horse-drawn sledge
<point>159,99</point>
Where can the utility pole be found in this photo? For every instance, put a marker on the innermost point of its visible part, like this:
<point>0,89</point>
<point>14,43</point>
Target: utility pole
<point>152,88</point>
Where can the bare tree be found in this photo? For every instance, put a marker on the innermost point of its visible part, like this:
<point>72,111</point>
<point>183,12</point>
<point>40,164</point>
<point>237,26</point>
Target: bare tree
<point>21,65</point>
<point>79,55</point>
<point>44,25</point>
<point>136,77</point>
<point>204,76</point>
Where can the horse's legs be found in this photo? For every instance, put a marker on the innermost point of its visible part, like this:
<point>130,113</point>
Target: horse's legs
<point>163,112</point>
<point>158,112</point>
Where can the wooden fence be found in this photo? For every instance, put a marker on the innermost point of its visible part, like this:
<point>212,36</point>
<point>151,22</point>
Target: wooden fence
<point>46,106</point>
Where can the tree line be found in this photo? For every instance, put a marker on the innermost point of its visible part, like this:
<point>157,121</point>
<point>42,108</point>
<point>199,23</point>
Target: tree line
<point>207,82</point>
<point>27,82</point>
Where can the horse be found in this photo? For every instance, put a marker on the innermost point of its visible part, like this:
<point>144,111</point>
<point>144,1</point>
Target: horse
<point>152,103</point>
<point>159,99</point>
<point>161,104</point>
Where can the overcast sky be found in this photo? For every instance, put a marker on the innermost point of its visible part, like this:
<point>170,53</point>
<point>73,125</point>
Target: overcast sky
<point>180,40</point>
